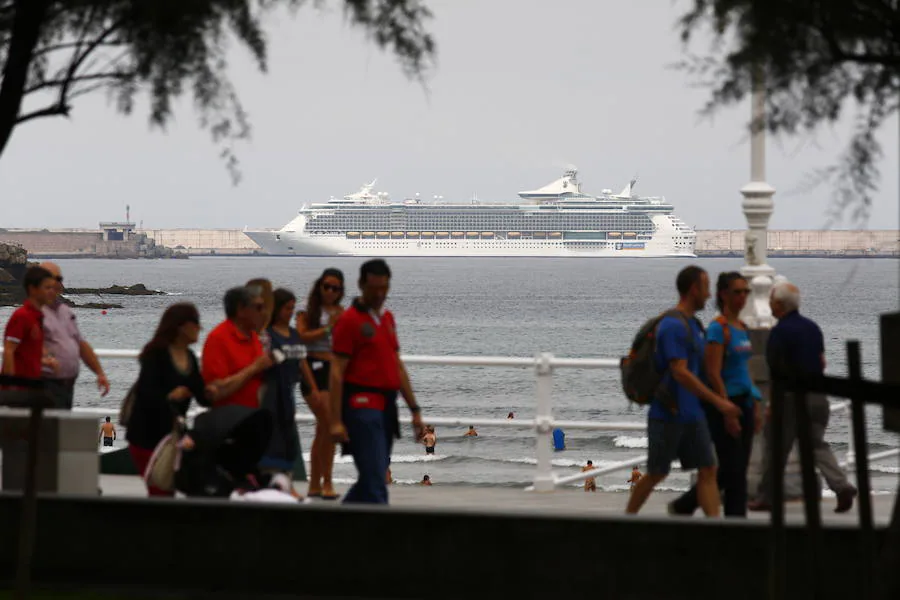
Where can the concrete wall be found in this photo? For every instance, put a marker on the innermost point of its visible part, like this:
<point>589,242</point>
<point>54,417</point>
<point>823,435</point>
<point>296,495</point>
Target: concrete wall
<point>82,243</point>
<point>204,241</point>
<point>391,553</point>
<point>826,241</point>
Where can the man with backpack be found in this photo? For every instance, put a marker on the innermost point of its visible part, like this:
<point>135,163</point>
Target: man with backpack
<point>664,371</point>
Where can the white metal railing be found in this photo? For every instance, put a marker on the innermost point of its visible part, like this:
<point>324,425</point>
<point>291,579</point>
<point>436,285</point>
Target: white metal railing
<point>544,365</point>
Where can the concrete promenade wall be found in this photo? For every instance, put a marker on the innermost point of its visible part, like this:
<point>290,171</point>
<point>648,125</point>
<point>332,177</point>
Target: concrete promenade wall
<point>207,546</point>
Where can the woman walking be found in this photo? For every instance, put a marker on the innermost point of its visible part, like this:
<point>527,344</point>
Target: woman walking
<point>169,378</point>
<point>314,324</point>
<point>728,351</point>
<point>279,399</point>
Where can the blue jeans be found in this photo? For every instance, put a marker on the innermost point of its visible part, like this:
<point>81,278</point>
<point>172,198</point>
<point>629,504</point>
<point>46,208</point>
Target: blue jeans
<point>371,439</point>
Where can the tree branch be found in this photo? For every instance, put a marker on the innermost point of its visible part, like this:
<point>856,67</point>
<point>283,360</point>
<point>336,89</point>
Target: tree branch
<point>54,110</point>
<point>69,81</point>
<point>77,60</point>
<point>73,45</point>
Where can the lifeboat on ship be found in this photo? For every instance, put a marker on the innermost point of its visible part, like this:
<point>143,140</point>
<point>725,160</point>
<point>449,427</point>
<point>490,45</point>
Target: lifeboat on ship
<point>368,234</point>
<point>352,235</point>
<point>397,234</point>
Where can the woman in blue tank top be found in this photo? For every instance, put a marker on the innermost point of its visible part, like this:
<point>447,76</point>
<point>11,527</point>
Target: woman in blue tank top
<point>728,352</point>
<point>278,399</point>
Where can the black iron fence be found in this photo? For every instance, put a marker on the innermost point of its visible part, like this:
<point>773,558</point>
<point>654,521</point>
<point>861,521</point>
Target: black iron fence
<point>878,577</point>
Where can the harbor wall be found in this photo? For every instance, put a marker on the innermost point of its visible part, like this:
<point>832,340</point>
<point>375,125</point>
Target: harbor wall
<point>200,242</point>
<point>82,243</point>
<point>720,242</point>
<point>840,243</point>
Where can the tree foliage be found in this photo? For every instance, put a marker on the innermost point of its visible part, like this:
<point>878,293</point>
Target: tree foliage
<point>54,51</point>
<point>820,58</point>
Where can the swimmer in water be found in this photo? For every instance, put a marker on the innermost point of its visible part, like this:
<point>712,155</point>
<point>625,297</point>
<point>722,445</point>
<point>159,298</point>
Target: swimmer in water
<point>471,432</point>
<point>107,433</point>
<point>430,440</point>
<point>590,484</point>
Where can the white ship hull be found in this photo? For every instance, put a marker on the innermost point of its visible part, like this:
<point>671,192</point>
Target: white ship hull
<point>282,243</point>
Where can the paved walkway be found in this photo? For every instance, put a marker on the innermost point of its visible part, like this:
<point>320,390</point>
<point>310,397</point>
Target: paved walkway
<point>571,503</point>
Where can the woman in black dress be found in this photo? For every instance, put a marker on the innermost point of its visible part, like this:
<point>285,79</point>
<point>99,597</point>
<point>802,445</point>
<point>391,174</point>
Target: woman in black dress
<point>169,378</point>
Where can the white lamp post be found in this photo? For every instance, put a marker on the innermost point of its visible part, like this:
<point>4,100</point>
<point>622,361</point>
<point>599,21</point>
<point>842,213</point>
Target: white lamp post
<point>758,207</point>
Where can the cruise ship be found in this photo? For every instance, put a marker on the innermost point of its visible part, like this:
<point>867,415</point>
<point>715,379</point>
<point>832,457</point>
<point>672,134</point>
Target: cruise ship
<point>557,220</point>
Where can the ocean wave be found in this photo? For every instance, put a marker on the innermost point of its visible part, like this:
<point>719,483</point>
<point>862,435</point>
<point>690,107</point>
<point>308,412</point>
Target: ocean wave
<point>397,458</point>
<point>558,462</point>
<point>627,441</point>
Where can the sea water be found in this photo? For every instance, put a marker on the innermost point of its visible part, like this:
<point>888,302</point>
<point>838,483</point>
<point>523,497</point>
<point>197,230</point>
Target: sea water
<point>500,306</point>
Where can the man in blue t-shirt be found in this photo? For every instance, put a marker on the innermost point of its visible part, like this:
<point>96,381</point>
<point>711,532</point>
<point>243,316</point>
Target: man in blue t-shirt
<point>676,424</point>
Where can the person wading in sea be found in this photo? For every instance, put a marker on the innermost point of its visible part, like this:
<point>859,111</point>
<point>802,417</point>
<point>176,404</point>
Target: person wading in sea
<point>366,375</point>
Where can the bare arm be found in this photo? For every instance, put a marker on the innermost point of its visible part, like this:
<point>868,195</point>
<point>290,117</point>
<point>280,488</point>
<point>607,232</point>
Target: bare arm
<point>336,388</point>
<point>308,335</point>
<point>406,386</point>
<point>689,381</point>
<point>9,350</point>
<point>229,385</point>
<point>715,354</point>
<point>410,397</point>
<point>90,358</point>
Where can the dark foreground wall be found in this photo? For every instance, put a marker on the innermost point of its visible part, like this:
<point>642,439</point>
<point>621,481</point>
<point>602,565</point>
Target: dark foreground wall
<point>392,553</point>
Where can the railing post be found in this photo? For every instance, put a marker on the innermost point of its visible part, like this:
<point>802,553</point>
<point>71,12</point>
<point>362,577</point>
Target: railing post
<point>858,435</point>
<point>543,423</point>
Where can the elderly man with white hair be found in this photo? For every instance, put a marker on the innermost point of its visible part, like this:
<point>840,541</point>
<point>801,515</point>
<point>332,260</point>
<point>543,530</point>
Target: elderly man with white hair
<point>796,347</point>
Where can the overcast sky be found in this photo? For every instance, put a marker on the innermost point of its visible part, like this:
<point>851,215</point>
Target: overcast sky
<point>521,89</point>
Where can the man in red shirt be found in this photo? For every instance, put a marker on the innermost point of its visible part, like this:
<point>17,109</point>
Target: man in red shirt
<point>233,356</point>
<point>366,375</point>
<point>23,342</point>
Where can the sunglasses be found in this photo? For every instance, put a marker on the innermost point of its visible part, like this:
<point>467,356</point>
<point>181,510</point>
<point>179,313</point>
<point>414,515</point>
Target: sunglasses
<point>740,292</point>
<point>259,306</point>
<point>59,278</point>
<point>332,288</point>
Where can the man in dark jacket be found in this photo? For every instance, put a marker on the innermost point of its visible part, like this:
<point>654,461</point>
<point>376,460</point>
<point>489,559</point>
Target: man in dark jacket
<point>796,348</point>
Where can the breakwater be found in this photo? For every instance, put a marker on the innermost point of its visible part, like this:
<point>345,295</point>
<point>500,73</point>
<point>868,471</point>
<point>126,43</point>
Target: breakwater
<point>110,240</point>
<point>166,243</point>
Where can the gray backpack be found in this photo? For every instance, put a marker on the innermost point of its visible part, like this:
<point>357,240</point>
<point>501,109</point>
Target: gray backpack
<point>641,380</point>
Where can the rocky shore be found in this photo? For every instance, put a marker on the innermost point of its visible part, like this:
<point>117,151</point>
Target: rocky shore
<point>138,289</point>
<point>14,262</point>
